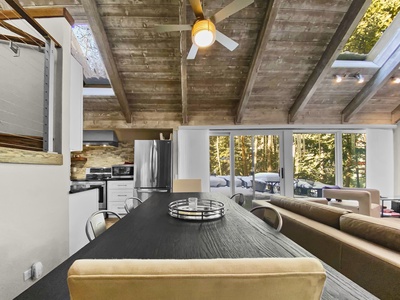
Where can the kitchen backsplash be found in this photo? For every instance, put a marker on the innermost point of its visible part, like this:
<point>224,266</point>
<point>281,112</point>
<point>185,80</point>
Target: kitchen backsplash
<point>101,157</point>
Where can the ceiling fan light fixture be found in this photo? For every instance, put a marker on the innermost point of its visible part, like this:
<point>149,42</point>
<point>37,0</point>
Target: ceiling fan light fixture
<point>203,33</point>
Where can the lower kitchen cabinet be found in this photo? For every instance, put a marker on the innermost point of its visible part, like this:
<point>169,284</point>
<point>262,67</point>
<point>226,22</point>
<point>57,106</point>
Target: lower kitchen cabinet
<point>81,206</point>
<point>117,192</point>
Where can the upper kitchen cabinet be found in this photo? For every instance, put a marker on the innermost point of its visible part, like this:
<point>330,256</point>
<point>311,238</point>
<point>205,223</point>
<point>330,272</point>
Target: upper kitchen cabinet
<point>76,106</point>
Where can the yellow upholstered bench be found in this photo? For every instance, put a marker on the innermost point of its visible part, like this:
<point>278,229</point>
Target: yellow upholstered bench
<point>222,279</point>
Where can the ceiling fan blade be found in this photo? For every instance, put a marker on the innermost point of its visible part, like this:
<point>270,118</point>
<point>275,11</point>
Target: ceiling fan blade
<point>230,9</point>
<point>226,41</point>
<point>168,28</point>
<point>192,52</point>
<point>197,9</point>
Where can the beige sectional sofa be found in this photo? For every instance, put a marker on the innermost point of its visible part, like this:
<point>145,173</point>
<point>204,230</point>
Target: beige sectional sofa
<point>363,248</point>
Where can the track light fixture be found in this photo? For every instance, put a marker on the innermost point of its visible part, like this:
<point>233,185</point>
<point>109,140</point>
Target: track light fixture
<point>338,78</point>
<point>359,77</point>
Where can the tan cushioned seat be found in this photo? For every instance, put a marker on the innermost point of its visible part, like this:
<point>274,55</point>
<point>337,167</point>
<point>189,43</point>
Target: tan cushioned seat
<point>318,212</point>
<point>372,229</point>
<point>222,279</point>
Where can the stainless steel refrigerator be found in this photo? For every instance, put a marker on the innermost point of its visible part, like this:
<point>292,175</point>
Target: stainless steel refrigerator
<point>153,167</point>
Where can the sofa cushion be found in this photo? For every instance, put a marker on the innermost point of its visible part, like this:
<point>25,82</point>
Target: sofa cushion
<point>372,229</point>
<point>318,212</point>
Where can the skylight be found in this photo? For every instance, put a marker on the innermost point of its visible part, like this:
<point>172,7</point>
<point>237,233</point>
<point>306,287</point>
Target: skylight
<point>84,49</point>
<point>376,20</point>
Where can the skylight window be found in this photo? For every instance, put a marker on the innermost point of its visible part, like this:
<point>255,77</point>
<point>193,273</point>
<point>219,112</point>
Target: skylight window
<point>376,20</point>
<point>85,50</point>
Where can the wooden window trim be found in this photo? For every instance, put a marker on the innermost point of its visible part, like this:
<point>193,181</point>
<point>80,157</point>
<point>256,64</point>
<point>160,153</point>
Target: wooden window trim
<point>17,156</point>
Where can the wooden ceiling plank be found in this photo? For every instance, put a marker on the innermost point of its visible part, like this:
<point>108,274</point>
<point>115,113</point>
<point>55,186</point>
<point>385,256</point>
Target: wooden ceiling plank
<point>22,33</point>
<point>100,36</point>
<point>31,21</point>
<point>349,22</point>
<point>270,16</point>
<point>381,77</point>
<point>183,50</point>
<point>39,12</point>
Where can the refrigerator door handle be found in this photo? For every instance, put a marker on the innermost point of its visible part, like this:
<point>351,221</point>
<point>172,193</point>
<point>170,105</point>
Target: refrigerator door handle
<point>152,164</point>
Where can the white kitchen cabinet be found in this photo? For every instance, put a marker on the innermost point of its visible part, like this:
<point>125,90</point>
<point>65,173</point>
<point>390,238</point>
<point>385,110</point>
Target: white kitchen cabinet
<point>117,192</point>
<point>76,106</point>
<point>81,206</point>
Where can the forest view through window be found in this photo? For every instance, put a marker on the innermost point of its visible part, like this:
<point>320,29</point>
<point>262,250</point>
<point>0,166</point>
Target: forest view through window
<point>376,20</point>
<point>256,165</point>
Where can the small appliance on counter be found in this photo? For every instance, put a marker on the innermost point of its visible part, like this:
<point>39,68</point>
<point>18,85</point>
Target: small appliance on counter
<point>122,171</point>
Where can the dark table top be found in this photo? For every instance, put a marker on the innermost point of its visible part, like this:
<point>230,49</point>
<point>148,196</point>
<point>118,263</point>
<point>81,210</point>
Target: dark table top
<point>150,233</point>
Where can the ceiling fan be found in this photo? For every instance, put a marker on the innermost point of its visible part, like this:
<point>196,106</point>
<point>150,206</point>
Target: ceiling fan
<point>204,33</point>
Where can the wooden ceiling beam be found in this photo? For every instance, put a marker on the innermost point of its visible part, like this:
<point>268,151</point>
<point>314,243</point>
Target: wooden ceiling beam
<point>100,36</point>
<point>39,12</point>
<point>183,50</point>
<point>31,21</point>
<point>381,77</point>
<point>263,37</point>
<point>349,22</point>
<point>27,37</point>
<point>396,115</point>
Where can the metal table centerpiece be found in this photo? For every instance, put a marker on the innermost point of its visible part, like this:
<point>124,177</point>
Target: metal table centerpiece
<point>204,210</point>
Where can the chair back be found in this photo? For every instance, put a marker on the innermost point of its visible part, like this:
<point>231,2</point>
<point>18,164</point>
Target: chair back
<point>186,185</point>
<point>198,279</point>
<point>239,198</point>
<point>96,223</point>
<point>131,203</point>
<point>269,215</point>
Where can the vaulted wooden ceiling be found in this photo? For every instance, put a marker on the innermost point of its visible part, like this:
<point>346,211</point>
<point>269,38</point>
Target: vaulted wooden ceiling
<point>281,72</point>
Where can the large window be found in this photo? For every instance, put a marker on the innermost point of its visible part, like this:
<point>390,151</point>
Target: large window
<point>252,163</point>
<point>314,163</point>
<point>255,165</point>
<point>354,156</point>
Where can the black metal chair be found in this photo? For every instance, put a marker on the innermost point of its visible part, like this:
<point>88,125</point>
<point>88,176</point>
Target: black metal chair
<point>97,223</point>
<point>239,198</point>
<point>131,203</point>
<point>269,215</point>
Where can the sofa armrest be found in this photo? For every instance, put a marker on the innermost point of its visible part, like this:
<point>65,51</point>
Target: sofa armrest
<point>362,196</point>
<point>375,195</point>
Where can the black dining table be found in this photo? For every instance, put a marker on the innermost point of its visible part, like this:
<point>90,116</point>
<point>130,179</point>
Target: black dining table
<point>149,232</point>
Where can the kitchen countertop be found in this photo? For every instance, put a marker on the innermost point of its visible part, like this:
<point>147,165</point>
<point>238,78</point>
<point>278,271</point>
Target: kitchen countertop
<point>74,190</point>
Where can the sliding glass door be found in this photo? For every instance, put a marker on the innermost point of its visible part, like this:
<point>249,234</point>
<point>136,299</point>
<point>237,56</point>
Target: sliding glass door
<point>245,163</point>
<point>314,163</point>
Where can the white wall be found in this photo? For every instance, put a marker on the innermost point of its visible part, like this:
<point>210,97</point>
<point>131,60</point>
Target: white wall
<point>396,155</point>
<point>34,199</point>
<point>380,161</point>
<point>193,156</point>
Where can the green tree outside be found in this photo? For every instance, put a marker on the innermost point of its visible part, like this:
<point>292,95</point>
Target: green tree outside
<point>376,20</point>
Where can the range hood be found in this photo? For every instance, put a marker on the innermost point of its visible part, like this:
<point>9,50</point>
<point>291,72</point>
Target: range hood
<point>100,138</point>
